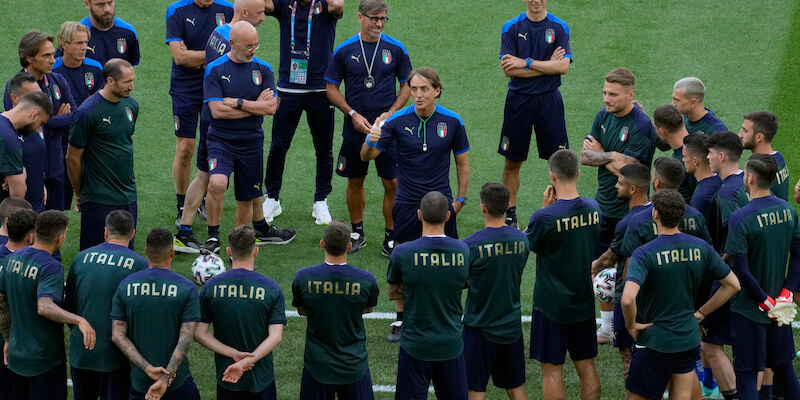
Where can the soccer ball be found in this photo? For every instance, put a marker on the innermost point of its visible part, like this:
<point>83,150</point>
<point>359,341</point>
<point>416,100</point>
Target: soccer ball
<point>206,267</point>
<point>604,284</point>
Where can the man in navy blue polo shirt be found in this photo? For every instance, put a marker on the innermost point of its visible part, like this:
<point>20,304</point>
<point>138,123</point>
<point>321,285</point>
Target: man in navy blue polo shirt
<point>27,117</point>
<point>308,28</point>
<point>33,146</point>
<point>369,63</point>
<point>239,90</point>
<point>111,37</point>
<point>189,24</point>
<point>424,135</point>
<point>534,53</point>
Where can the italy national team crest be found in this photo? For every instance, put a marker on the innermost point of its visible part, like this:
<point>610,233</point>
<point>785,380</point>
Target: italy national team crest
<point>623,133</point>
<point>41,133</point>
<point>129,113</point>
<point>342,163</point>
<point>549,35</point>
<point>212,164</point>
<point>318,8</point>
<point>441,129</point>
<point>220,19</point>
<point>177,122</point>
<point>122,45</point>
<point>386,56</point>
<point>88,78</point>
<point>57,91</point>
<point>504,143</point>
<point>257,76</point>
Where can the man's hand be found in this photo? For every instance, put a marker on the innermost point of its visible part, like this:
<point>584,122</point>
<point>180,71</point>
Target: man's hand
<point>457,206</point>
<point>361,124</point>
<point>783,312</point>
<point>558,54</point>
<point>265,94</point>
<point>64,109</point>
<point>77,203</point>
<point>509,62</point>
<point>549,196</point>
<point>385,116</point>
<point>156,390</point>
<point>5,353</point>
<point>637,329</point>
<point>89,337</point>
<point>155,373</point>
<point>240,355</point>
<point>591,144</point>
<point>375,133</point>
<point>234,372</point>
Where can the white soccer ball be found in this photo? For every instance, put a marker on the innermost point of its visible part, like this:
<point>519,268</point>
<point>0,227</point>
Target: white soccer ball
<point>604,284</point>
<point>206,267</point>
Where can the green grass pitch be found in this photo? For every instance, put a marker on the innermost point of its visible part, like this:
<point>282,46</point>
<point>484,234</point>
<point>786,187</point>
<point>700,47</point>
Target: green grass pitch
<point>745,52</point>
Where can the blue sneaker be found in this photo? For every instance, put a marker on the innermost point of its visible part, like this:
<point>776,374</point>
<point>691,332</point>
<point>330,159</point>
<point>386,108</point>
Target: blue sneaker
<point>710,393</point>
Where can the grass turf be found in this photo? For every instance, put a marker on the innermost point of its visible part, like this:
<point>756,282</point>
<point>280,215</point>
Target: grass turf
<point>747,62</point>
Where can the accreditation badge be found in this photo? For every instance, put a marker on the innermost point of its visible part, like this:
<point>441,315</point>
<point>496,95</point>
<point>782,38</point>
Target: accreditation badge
<point>298,69</point>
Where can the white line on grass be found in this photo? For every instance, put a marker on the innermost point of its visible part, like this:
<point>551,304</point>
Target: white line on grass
<point>391,388</point>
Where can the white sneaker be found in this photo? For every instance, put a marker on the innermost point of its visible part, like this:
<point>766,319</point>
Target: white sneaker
<point>321,213</point>
<point>272,208</point>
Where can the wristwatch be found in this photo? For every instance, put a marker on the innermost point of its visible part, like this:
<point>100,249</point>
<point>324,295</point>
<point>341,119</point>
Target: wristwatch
<point>351,113</point>
<point>528,62</point>
<point>462,200</point>
<point>239,104</point>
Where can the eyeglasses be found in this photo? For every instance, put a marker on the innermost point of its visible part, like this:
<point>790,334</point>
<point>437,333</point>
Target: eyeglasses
<point>376,19</point>
<point>252,47</point>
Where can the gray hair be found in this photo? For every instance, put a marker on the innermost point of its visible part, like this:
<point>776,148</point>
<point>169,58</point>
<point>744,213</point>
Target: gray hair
<point>693,88</point>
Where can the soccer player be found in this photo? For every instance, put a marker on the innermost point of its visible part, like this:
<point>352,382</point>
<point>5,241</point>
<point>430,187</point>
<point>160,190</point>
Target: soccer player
<point>688,95</point>
<point>157,352</point>
<point>425,163</point>
<point>7,207</point>
<point>762,236</point>
<point>218,45</point>
<point>632,185</point>
<point>83,75</point>
<point>493,344</point>
<point>307,30</point>
<point>36,56</point>
<point>369,98</point>
<point>110,37</point>
<point>100,153</point>
<point>429,274</point>
<point>27,117</point>
<point>239,90</point>
<point>31,289</point>
<point>668,122</point>
<point>724,151</point>
<point>758,130</point>
<point>333,296</point>
<point>33,146</point>
<point>561,234</point>
<point>92,281</point>
<point>534,53</point>
<point>695,160</point>
<point>247,310</point>
<point>659,307</point>
<point>189,24</point>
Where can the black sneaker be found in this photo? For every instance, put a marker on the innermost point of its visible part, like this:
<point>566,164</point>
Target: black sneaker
<point>358,240</point>
<point>394,334</point>
<point>511,220</point>
<point>388,247</point>
<point>178,219</point>
<point>275,235</point>
<point>202,210</point>
<point>210,246</point>
<point>186,244</point>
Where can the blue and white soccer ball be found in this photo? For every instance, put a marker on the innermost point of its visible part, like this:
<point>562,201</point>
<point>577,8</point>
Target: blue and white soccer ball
<point>604,284</point>
<point>206,267</point>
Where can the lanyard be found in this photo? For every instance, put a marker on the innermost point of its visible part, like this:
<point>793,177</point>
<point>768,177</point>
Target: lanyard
<point>47,87</point>
<point>308,35</point>
<point>372,63</point>
<point>424,128</point>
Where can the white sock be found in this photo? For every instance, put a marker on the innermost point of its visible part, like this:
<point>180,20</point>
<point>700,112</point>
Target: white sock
<point>607,318</point>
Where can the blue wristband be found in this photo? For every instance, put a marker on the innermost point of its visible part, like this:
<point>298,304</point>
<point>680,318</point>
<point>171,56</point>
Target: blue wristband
<point>370,144</point>
<point>528,62</point>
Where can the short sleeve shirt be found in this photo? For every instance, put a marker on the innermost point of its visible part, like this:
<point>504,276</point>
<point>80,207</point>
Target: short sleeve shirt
<point>708,124</point>
<point>121,41</point>
<point>616,247</point>
<point>524,38</point>
<point>704,194</point>
<point>780,187</point>
<point>730,197</point>
<point>83,81</point>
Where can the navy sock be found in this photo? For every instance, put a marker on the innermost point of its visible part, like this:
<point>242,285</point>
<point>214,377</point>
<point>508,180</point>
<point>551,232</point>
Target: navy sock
<point>184,230</point>
<point>765,393</point>
<point>181,200</point>
<point>399,315</point>
<point>213,231</point>
<point>389,234</point>
<point>358,227</point>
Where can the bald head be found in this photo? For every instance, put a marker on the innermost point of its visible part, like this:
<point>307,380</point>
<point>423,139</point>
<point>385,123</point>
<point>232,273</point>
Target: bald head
<point>243,31</point>
<point>244,42</point>
<point>251,11</point>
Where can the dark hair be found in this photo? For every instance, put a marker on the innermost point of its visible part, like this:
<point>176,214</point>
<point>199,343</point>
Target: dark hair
<point>670,206</point>
<point>120,223</point>
<point>764,168</point>
<point>697,145</point>
<point>726,142</point>
<point>434,206</point>
<point>49,225</point>
<point>29,45</point>
<point>242,240</point>
<point>39,100</point>
<point>367,7</point>
<point>20,224</point>
<point>15,84</point>
<point>495,197</point>
<point>764,122</point>
<point>622,76</point>
<point>428,75</point>
<point>159,243</point>
<point>636,174</point>
<point>11,205</point>
<point>669,171</point>
<point>336,237</point>
<point>115,68</point>
<point>668,117</point>
<point>564,164</point>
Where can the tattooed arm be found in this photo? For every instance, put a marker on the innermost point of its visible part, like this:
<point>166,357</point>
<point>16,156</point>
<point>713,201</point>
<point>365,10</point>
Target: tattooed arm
<point>185,339</point>
<point>119,335</point>
<point>5,318</point>
<point>48,308</point>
